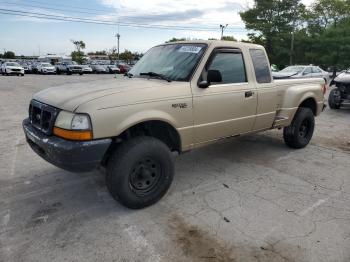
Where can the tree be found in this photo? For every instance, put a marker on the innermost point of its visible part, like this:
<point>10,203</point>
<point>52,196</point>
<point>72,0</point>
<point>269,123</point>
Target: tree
<point>9,55</point>
<point>103,52</point>
<point>126,56</point>
<point>329,12</point>
<point>174,39</point>
<point>78,55</point>
<point>273,23</point>
<point>229,38</point>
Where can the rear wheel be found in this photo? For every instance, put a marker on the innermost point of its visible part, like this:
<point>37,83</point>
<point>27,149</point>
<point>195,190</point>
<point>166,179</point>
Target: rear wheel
<point>139,172</point>
<point>334,99</point>
<point>299,133</point>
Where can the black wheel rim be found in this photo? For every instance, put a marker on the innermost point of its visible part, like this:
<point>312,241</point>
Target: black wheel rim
<point>304,128</point>
<point>145,175</point>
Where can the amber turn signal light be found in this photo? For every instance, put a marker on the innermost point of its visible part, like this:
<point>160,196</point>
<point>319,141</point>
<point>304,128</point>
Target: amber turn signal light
<point>73,134</point>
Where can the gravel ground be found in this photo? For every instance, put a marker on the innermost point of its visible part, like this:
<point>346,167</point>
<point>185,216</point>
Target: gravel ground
<point>244,199</point>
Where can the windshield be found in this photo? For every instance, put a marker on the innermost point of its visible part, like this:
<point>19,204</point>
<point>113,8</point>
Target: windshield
<point>12,64</point>
<point>293,69</point>
<point>174,61</point>
<point>45,64</point>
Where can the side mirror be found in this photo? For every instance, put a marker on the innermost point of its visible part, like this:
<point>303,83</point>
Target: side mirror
<point>213,76</point>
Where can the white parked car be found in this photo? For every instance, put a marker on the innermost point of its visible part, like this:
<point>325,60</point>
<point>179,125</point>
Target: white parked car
<point>12,68</point>
<point>87,69</point>
<point>46,68</point>
<point>302,71</point>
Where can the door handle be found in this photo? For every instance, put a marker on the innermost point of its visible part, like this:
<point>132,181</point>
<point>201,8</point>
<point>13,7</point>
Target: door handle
<point>248,93</point>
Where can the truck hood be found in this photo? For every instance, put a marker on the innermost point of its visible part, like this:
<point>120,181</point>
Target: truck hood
<point>343,78</point>
<point>70,96</point>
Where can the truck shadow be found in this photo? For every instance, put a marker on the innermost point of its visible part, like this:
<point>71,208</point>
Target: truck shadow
<point>44,192</point>
<point>50,201</point>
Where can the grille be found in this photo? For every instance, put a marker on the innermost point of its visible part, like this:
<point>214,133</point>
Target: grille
<point>15,69</point>
<point>42,116</point>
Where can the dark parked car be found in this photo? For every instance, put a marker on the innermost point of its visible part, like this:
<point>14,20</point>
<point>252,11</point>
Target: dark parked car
<point>123,68</point>
<point>69,68</point>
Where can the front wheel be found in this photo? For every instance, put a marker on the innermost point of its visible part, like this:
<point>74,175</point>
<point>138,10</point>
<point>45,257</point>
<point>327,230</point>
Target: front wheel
<point>140,172</point>
<point>300,132</point>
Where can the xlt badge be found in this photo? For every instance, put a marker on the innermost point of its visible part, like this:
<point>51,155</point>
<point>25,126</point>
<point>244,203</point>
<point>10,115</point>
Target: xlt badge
<point>179,105</point>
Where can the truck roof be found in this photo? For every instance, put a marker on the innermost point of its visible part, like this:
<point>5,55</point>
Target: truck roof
<point>218,43</point>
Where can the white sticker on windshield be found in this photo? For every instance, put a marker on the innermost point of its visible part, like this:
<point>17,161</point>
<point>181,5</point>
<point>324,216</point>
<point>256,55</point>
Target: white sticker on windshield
<point>190,49</point>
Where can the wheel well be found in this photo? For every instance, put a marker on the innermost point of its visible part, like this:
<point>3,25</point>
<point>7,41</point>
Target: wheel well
<point>155,128</point>
<point>158,129</point>
<point>310,103</point>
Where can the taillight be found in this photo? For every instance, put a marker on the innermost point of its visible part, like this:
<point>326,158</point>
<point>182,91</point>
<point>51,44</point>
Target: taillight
<point>324,88</point>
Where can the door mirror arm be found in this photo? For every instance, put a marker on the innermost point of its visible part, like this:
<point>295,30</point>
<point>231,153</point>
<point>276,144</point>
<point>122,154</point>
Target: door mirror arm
<point>203,84</point>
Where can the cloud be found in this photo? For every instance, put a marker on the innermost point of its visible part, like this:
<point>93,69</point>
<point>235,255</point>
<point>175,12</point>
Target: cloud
<point>183,12</point>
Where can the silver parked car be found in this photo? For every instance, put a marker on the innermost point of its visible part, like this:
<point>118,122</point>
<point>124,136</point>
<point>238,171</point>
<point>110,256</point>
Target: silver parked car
<point>301,71</point>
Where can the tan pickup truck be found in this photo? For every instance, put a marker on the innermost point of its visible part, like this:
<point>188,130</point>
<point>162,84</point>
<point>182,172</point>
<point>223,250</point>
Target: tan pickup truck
<point>178,97</point>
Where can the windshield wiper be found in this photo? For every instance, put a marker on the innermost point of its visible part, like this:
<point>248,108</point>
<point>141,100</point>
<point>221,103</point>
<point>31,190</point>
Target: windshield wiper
<point>153,74</point>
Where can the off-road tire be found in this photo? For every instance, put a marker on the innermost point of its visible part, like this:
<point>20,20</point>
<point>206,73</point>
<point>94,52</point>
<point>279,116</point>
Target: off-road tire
<point>144,159</point>
<point>331,99</point>
<point>299,133</point>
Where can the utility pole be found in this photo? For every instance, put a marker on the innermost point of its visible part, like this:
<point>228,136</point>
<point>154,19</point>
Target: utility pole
<point>291,49</point>
<point>292,41</point>
<point>223,27</point>
<point>118,37</point>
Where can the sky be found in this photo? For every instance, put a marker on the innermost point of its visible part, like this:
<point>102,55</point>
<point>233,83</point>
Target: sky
<point>198,19</point>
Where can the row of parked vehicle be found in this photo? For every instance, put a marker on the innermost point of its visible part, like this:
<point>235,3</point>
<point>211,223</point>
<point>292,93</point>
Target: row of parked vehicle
<point>67,67</point>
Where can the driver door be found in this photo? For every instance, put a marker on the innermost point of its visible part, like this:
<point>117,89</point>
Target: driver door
<point>228,107</point>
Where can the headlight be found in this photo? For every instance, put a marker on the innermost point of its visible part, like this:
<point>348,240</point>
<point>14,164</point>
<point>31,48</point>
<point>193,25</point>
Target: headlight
<point>73,126</point>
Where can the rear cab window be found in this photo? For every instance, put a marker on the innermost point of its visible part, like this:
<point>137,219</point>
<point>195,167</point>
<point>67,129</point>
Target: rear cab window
<point>261,66</point>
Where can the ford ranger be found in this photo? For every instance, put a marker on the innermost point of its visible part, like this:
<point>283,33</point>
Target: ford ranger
<point>178,97</point>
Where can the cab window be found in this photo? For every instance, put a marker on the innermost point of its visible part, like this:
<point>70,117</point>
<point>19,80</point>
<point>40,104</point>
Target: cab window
<point>231,67</point>
<point>261,66</point>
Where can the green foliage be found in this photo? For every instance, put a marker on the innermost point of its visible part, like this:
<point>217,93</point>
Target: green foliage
<point>174,39</point>
<point>126,56</point>
<point>103,52</point>
<point>321,33</point>
<point>229,38</point>
<point>9,55</point>
<point>78,56</point>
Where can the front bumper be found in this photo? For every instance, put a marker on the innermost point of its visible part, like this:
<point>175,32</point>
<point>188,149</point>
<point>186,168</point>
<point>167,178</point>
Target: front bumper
<point>13,72</point>
<point>75,156</point>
